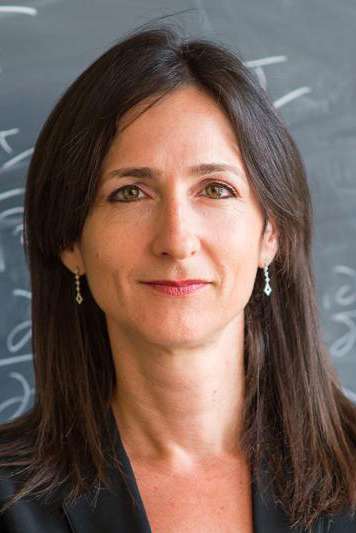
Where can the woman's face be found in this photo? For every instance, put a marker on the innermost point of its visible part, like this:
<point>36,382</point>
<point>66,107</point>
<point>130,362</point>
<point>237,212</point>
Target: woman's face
<point>176,224</point>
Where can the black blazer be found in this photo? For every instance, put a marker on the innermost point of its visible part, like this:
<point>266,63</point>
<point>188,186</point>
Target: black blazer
<point>114,512</point>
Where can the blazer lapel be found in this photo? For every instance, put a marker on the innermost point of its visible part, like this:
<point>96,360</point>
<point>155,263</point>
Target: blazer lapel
<point>119,510</point>
<point>268,516</point>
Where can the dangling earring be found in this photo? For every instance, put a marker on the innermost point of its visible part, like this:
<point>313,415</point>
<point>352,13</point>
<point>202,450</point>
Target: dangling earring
<point>77,283</point>
<point>267,290</point>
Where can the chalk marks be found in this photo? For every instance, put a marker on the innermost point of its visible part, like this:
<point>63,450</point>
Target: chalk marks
<point>11,217</point>
<point>264,61</point>
<point>292,95</point>
<point>350,394</point>
<point>258,64</point>
<point>4,145</point>
<point>10,212</point>
<point>18,10</point>
<point>17,351</point>
<point>10,193</point>
<point>19,336</point>
<point>3,142</point>
<point>21,402</point>
<point>16,341</point>
<point>342,308</point>
<point>17,159</point>
<point>15,359</point>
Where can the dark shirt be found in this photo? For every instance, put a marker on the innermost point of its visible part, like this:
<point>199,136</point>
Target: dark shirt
<point>121,509</point>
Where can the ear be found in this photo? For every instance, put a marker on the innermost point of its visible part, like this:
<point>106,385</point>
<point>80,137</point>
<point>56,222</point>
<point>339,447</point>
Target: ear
<point>269,244</point>
<point>71,257</point>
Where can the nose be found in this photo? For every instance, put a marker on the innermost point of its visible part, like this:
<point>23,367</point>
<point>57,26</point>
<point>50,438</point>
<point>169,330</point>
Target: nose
<point>176,229</point>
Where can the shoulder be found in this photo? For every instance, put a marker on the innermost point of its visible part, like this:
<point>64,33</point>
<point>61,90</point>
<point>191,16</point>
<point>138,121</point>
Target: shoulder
<point>28,514</point>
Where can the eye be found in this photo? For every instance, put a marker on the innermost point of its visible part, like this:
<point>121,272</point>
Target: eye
<point>114,196</point>
<point>219,186</point>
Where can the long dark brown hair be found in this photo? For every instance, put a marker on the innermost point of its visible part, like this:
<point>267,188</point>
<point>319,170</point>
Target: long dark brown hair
<point>296,416</point>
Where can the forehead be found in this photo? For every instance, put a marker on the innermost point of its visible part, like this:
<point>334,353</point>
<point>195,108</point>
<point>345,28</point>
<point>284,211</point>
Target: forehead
<point>197,99</point>
<point>185,126</point>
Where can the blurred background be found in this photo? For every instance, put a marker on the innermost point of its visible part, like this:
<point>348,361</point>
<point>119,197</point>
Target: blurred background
<point>303,54</point>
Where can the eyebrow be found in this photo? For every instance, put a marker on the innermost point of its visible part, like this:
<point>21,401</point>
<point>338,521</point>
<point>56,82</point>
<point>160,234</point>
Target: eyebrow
<point>147,172</point>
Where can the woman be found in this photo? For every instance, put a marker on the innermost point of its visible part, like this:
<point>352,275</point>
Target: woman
<point>161,407</point>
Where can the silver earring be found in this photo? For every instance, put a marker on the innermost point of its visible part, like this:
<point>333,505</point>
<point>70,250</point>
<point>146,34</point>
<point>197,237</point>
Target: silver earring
<point>267,290</point>
<point>77,286</point>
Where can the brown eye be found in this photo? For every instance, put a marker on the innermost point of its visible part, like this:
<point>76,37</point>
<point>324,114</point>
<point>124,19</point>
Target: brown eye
<point>219,187</point>
<point>125,197</point>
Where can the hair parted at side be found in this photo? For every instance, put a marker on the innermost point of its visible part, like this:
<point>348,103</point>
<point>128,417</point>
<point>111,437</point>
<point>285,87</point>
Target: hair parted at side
<point>297,419</point>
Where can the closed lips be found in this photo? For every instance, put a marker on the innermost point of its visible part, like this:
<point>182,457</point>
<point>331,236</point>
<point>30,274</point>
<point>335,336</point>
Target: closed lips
<point>177,283</point>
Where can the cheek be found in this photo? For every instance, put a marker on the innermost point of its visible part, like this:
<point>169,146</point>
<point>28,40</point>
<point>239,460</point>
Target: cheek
<point>112,254</point>
<point>239,241</point>
<point>101,257</point>
<point>238,256</point>
<point>101,244</point>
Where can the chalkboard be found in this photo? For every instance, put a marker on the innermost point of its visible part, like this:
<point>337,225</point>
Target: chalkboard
<point>303,53</point>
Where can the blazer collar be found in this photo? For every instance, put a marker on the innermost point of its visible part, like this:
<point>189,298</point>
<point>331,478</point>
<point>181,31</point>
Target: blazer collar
<point>122,511</point>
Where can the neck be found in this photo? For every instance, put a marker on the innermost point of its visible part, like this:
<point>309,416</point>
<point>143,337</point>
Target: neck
<point>181,409</point>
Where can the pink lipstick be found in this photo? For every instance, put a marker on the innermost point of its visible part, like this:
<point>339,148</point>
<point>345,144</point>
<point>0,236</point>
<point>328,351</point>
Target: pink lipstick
<point>177,288</point>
